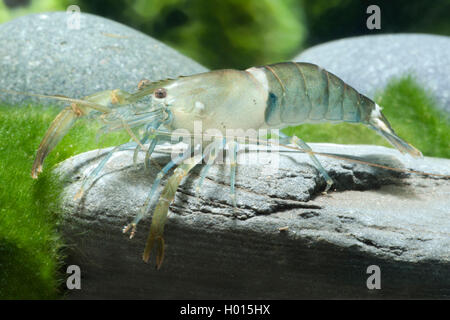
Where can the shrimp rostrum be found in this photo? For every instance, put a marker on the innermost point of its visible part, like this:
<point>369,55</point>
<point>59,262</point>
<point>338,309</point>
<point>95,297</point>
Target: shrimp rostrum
<point>274,96</point>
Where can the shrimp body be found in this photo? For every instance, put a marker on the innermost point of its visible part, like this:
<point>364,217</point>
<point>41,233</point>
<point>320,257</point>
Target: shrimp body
<point>222,99</point>
<point>274,96</point>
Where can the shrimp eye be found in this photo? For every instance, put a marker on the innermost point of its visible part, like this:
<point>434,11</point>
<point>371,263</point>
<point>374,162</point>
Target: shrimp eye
<point>160,93</point>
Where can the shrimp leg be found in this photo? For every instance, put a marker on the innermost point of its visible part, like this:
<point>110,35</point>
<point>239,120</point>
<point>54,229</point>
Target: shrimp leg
<point>94,173</point>
<point>146,207</point>
<point>212,155</point>
<point>302,144</point>
<point>162,208</point>
<point>127,146</point>
<point>212,150</point>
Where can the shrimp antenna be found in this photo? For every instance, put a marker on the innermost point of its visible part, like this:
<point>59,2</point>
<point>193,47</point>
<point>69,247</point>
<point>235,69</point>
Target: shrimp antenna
<point>86,103</point>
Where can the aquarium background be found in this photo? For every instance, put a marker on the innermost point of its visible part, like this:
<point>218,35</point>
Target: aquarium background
<point>217,34</point>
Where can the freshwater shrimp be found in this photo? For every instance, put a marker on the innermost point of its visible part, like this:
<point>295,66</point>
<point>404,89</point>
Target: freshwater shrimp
<point>272,96</point>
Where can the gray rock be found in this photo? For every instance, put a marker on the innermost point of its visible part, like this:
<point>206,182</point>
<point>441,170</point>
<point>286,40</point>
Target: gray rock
<point>368,62</point>
<point>40,54</point>
<point>397,221</point>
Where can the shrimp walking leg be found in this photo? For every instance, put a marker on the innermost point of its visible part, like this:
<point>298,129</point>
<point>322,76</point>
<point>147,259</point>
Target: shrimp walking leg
<point>127,146</point>
<point>149,152</point>
<point>212,151</point>
<point>302,144</point>
<point>94,173</point>
<point>138,148</point>
<point>160,214</point>
<point>146,207</point>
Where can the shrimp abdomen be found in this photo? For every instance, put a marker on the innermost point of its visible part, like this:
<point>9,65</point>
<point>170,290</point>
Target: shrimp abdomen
<point>305,93</point>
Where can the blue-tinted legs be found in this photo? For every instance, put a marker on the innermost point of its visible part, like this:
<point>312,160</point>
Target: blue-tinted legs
<point>300,143</point>
<point>146,207</point>
<point>211,152</point>
<point>94,174</point>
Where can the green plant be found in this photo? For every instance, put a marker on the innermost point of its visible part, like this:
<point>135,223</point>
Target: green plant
<point>30,246</point>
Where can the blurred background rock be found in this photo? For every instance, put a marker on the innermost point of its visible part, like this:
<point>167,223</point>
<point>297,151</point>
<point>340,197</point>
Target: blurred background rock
<point>239,34</point>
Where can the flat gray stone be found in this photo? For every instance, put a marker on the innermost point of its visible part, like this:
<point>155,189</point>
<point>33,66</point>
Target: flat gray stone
<point>367,63</point>
<point>40,54</point>
<point>397,221</point>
